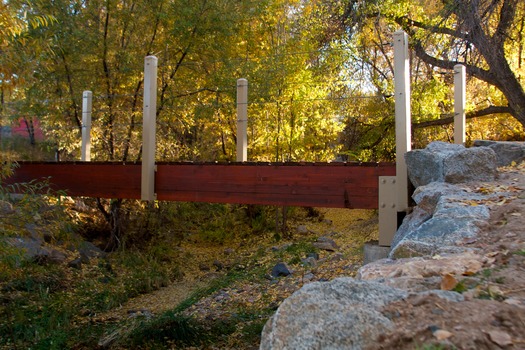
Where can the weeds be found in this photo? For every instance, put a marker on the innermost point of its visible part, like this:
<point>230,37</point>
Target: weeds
<point>52,306</point>
<point>520,252</point>
<point>170,327</point>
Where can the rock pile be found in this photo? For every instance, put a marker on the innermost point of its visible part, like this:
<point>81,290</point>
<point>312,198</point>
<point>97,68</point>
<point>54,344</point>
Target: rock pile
<point>433,242</point>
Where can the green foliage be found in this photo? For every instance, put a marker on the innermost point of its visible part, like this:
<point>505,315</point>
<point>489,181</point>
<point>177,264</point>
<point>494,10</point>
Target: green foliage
<point>33,208</point>
<point>212,287</point>
<point>460,287</point>
<point>520,252</point>
<point>42,301</point>
<point>169,327</point>
<point>433,347</point>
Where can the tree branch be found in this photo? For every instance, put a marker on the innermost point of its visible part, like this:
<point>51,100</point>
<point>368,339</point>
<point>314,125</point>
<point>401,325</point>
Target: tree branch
<point>507,15</point>
<point>474,114</point>
<point>406,23</point>
<point>474,71</point>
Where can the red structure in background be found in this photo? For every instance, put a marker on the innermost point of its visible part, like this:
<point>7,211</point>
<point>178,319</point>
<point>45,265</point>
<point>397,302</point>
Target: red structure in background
<point>28,128</point>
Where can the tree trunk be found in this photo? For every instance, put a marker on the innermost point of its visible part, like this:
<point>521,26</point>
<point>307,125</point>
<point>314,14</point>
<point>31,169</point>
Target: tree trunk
<point>113,218</point>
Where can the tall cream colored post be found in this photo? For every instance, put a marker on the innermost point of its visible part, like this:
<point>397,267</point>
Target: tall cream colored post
<point>403,116</point>
<point>87,105</point>
<point>460,101</point>
<point>242,120</point>
<point>148,129</point>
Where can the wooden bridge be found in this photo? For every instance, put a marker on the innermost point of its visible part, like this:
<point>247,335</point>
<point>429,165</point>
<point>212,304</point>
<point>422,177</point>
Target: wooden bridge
<point>338,185</point>
<point>331,185</point>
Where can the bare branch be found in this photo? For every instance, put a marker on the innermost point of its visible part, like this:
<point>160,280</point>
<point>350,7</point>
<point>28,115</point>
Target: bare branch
<point>507,15</point>
<point>474,114</point>
<point>475,71</point>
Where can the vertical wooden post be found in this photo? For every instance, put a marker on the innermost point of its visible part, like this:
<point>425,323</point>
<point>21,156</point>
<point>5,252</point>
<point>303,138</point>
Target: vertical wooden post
<point>149,119</point>
<point>242,120</point>
<point>87,105</point>
<point>460,92</point>
<point>387,210</point>
<point>403,116</point>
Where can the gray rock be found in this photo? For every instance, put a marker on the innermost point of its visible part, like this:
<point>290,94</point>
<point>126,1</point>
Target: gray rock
<point>424,167</point>
<point>89,251</point>
<point>340,314</point>
<point>372,251</point>
<point>308,277</point>
<point>281,270</point>
<point>310,261</point>
<point>430,194</point>
<point>6,208</point>
<point>313,255</point>
<point>446,210</point>
<point>441,161</point>
<point>506,152</point>
<point>325,243</point>
<point>410,248</point>
<point>337,257</point>
<point>427,198</point>
<point>454,297</point>
<point>441,220</point>
<point>229,251</point>
<point>204,267</point>
<point>410,223</point>
<point>75,264</point>
<point>436,235</point>
<point>471,164</point>
<point>483,143</point>
<point>33,249</point>
<point>218,265</point>
<point>444,149</point>
<point>302,230</point>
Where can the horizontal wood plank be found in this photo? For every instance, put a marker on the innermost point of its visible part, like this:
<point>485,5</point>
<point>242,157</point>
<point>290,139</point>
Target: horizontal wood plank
<point>105,180</point>
<point>340,185</point>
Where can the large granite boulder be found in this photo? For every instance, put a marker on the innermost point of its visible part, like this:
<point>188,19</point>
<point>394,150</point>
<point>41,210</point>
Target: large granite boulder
<point>444,162</point>
<point>443,218</point>
<point>506,152</point>
<point>340,314</point>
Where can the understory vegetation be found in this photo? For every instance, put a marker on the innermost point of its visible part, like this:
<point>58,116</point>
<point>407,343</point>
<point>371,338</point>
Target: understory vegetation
<point>49,302</point>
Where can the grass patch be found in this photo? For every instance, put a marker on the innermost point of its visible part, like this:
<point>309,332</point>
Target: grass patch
<point>171,327</point>
<point>215,285</point>
<point>520,252</point>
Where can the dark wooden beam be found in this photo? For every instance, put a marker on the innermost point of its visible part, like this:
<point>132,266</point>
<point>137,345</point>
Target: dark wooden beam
<point>339,185</point>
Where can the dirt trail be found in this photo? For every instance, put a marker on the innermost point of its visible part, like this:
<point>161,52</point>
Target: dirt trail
<point>348,228</point>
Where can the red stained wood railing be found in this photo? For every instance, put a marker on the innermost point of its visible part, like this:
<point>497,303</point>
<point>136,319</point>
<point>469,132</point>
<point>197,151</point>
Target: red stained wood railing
<point>337,185</point>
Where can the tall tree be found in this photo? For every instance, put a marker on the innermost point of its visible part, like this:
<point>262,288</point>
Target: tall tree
<point>484,35</point>
<point>203,46</point>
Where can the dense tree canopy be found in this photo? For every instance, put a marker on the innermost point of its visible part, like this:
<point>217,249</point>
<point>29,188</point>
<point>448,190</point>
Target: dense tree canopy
<point>485,36</point>
<point>320,73</point>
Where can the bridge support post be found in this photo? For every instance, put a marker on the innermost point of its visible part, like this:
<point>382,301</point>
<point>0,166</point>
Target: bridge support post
<point>242,120</point>
<point>87,105</point>
<point>394,210</point>
<point>149,120</point>
<point>387,210</point>
<point>459,103</point>
<point>403,116</point>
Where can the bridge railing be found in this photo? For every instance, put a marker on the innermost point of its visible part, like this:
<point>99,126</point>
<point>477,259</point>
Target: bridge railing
<point>344,185</point>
